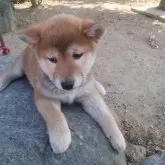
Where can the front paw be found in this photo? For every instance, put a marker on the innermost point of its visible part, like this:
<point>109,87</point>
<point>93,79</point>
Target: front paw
<point>59,140</point>
<point>117,141</point>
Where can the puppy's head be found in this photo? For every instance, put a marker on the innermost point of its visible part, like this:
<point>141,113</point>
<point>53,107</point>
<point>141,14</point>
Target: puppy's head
<point>65,47</point>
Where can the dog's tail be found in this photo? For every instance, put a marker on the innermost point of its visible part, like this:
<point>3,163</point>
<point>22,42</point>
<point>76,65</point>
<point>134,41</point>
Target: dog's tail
<point>12,73</point>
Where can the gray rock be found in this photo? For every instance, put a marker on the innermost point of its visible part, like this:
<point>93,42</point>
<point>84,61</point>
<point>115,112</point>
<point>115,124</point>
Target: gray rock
<point>155,160</point>
<point>135,153</point>
<point>23,137</point>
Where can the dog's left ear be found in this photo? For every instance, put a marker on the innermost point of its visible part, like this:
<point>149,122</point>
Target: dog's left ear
<point>93,30</point>
<point>30,36</point>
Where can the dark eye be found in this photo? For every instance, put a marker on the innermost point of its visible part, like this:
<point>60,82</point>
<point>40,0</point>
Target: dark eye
<point>53,59</point>
<point>77,56</point>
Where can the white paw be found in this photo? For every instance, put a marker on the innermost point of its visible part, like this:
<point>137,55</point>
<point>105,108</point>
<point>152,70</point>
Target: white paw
<point>118,142</point>
<point>59,141</point>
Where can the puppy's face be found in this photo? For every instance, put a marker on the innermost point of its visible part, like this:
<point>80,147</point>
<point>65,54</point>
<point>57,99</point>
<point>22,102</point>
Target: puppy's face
<point>65,47</point>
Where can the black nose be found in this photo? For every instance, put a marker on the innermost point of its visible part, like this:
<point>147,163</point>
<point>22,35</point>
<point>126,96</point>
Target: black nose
<point>67,84</point>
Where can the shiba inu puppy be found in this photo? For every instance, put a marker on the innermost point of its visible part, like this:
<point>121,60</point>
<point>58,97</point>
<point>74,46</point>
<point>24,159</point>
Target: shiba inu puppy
<point>57,62</point>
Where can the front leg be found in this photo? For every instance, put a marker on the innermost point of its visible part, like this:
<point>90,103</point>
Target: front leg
<point>59,133</point>
<point>95,106</point>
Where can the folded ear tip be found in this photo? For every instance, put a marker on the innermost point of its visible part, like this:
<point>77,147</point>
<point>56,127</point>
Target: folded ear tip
<point>20,36</point>
<point>26,38</point>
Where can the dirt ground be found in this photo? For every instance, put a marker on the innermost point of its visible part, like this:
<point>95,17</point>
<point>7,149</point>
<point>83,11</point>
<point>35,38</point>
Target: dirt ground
<point>132,72</point>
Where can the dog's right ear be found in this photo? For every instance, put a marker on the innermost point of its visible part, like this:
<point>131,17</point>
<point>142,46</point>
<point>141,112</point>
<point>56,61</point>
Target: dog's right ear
<point>93,30</point>
<point>30,36</point>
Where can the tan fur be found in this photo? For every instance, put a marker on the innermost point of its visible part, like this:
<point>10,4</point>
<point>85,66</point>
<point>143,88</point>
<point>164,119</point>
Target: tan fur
<point>61,37</point>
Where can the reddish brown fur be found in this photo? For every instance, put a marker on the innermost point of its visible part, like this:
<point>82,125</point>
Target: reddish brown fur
<point>60,33</point>
<point>66,67</point>
<point>52,34</point>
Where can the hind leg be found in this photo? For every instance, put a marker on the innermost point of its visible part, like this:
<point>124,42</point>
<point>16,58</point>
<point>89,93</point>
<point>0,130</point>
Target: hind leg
<point>12,73</point>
